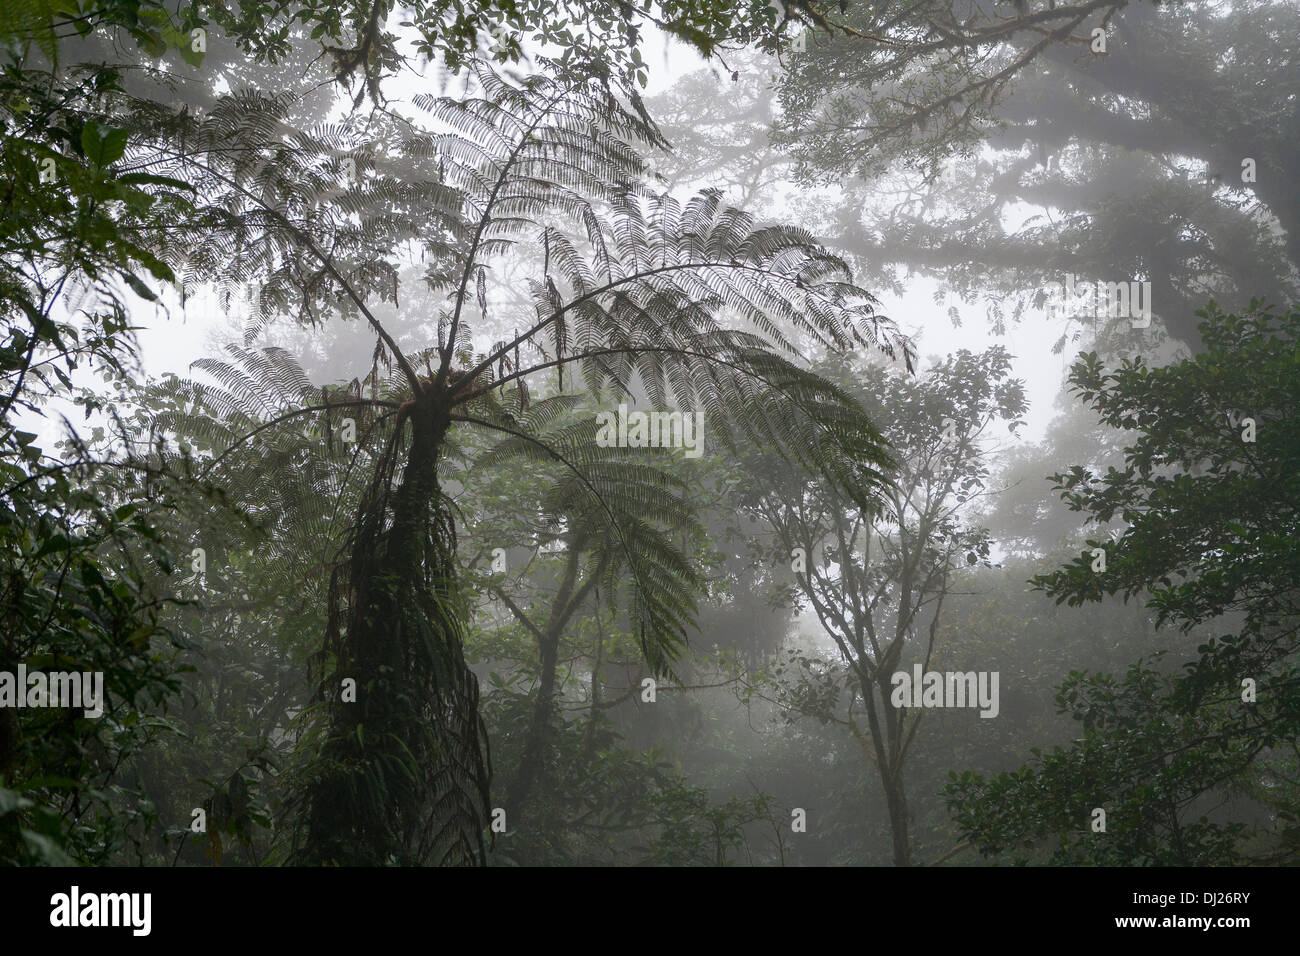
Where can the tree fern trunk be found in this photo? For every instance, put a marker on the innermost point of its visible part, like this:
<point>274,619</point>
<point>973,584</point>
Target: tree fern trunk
<point>402,775</point>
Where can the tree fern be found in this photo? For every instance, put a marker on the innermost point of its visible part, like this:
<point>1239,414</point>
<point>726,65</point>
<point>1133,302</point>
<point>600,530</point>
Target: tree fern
<point>694,303</point>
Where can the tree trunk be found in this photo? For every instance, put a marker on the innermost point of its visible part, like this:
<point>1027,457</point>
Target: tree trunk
<point>568,598</point>
<point>534,759</point>
<point>887,742</point>
<point>402,774</point>
<point>896,801</point>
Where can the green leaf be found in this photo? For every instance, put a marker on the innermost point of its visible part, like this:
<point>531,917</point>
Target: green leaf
<point>139,288</point>
<point>57,543</point>
<point>151,42</point>
<point>11,800</point>
<point>102,151</point>
<point>142,179</point>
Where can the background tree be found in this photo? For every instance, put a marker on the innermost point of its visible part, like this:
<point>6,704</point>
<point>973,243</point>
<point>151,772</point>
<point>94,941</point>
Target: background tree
<point>907,158</point>
<point>556,566</point>
<point>1033,155</point>
<point>877,579</point>
<point>79,234</point>
<point>1208,537</point>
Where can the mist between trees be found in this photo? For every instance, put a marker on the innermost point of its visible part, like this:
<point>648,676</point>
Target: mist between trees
<point>571,475</point>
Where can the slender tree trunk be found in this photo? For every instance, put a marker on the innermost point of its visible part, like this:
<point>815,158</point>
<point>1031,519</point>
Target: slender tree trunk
<point>892,776</point>
<point>534,761</point>
<point>589,738</point>
<point>889,762</point>
<point>896,802</point>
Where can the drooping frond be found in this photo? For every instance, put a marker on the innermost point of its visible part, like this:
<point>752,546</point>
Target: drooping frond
<point>631,498</point>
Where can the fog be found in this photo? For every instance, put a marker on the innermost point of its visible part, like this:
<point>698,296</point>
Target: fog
<point>862,439</point>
